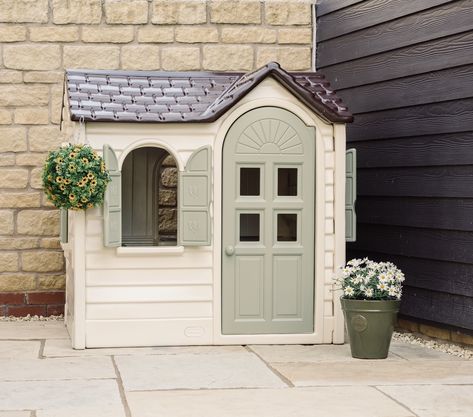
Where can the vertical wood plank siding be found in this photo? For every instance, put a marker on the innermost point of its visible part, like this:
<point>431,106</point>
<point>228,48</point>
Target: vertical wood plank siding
<point>405,70</point>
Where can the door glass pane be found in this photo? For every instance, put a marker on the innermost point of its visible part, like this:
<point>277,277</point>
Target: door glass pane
<point>287,181</point>
<point>249,227</point>
<point>249,181</point>
<point>287,227</point>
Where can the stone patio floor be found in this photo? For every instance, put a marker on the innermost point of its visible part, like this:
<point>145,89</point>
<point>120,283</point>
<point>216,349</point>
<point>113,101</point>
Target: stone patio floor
<point>40,375</point>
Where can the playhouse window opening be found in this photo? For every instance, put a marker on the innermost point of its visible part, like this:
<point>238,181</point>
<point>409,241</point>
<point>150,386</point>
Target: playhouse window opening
<point>149,198</point>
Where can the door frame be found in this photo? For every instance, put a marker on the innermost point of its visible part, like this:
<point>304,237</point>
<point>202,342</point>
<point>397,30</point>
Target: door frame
<point>322,326</point>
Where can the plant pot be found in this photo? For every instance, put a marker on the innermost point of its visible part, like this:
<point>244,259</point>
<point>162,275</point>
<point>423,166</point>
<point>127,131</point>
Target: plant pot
<point>370,325</point>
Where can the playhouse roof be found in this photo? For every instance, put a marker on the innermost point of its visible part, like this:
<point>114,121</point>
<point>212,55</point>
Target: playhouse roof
<point>124,96</point>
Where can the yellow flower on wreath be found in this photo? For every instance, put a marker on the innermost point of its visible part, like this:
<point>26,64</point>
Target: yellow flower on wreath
<point>93,183</point>
<point>90,176</point>
<point>85,160</point>
<point>59,179</point>
<point>72,197</point>
<point>62,187</point>
<point>72,155</point>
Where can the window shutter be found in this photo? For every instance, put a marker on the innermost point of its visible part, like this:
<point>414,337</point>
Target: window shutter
<point>112,215</point>
<point>350,196</point>
<point>64,235</point>
<point>194,199</point>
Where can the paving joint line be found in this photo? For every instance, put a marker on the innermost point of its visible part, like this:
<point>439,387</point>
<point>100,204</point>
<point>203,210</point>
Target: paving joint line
<point>121,388</point>
<point>287,381</point>
<point>395,400</point>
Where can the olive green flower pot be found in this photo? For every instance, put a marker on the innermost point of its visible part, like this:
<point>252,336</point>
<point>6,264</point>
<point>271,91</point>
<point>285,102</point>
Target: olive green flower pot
<point>370,325</point>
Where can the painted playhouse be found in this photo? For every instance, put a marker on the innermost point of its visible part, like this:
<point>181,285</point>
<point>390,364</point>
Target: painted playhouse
<point>231,199</point>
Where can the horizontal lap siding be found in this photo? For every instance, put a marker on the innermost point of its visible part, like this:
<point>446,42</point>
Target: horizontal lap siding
<point>405,69</point>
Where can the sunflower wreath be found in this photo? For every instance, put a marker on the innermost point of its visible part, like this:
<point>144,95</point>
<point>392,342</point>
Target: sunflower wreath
<point>75,177</point>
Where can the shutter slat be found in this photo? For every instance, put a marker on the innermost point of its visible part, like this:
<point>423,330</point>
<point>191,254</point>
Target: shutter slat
<point>350,196</point>
<point>112,212</point>
<point>194,199</point>
<point>64,235</point>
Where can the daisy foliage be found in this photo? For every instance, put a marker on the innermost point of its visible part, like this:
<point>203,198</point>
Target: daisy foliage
<point>75,177</point>
<point>363,279</point>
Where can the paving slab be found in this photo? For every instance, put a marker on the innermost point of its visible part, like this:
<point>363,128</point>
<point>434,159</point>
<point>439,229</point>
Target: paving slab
<point>91,398</point>
<point>56,368</point>
<point>434,401</point>
<point>308,353</point>
<point>62,348</point>
<point>25,349</point>
<point>413,352</point>
<point>33,330</point>
<point>300,402</point>
<point>377,372</point>
<point>187,371</point>
<point>15,413</point>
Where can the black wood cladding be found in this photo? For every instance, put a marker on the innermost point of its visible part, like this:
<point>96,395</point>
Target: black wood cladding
<point>405,70</point>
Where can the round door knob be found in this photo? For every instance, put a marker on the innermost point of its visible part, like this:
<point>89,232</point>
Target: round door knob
<point>229,250</point>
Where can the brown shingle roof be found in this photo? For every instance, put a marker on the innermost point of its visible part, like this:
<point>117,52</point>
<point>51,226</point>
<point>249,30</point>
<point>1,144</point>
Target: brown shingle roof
<point>122,96</point>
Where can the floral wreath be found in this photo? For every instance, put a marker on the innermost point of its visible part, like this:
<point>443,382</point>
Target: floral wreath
<point>75,177</point>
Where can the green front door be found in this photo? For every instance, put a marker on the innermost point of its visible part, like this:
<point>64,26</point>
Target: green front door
<point>268,224</point>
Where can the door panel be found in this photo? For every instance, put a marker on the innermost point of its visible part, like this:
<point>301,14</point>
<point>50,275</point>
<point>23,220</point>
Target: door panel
<point>268,224</point>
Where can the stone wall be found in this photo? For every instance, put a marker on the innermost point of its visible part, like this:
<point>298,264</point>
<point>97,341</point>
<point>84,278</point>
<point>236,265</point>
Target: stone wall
<point>40,38</point>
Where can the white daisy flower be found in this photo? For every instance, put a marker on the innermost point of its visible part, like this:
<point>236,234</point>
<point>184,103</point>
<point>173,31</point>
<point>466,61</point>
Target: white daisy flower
<point>392,291</point>
<point>382,286</point>
<point>368,292</point>
<point>349,291</point>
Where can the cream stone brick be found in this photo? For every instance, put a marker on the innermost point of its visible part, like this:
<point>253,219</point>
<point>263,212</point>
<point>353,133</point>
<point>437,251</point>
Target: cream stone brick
<point>329,160</point>
<point>329,210</point>
<point>329,176</point>
<point>57,98</point>
<point>241,11</point>
<point>17,200</point>
<point>6,222</point>
<point>12,139</point>
<point>328,259</point>
<point>13,178</point>
<point>8,261</point>
<point>50,243</point>
<point>103,57</point>
<point>77,11</point>
<point>10,77</point>
<point>329,242</point>
<point>45,201</point>
<point>31,159</point>
<point>42,261</point>
<point>156,34</point>
<point>24,11</point>
<point>329,193</point>
<point>7,160</point>
<point>288,12</point>
<point>248,34</point>
<point>114,34</point>
<point>44,138</point>
<point>5,117</point>
<point>295,35</point>
<point>54,33</point>
<point>35,178</point>
<point>181,59</point>
<point>196,34</point>
<point>17,282</point>
<point>32,116</point>
<point>12,33</point>
<point>17,243</point>
<point>38,222</point>
<point>23,95</point>
<point>52,282</point>
<point>126,11</point>
<point>32,57</point>
<point>290,58</point>
<point>49,77</point>
<point>228,57</point>
<point>182,12</point>
<point>140,57</point>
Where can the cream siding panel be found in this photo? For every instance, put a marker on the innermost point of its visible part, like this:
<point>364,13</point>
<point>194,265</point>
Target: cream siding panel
<point>149,294</point>
<point>169,310</point>
<point>108,260</point>
<point>170,276</point>
<point>141,332</point>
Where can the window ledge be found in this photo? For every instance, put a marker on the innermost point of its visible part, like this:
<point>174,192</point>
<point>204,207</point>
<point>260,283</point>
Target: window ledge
<point>150,250</point>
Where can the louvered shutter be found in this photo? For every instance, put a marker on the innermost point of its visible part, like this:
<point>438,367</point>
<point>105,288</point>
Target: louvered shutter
<point>112,215</point>
<point>64,235</point>
<point>194,199</point>
<point>350,196</point>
